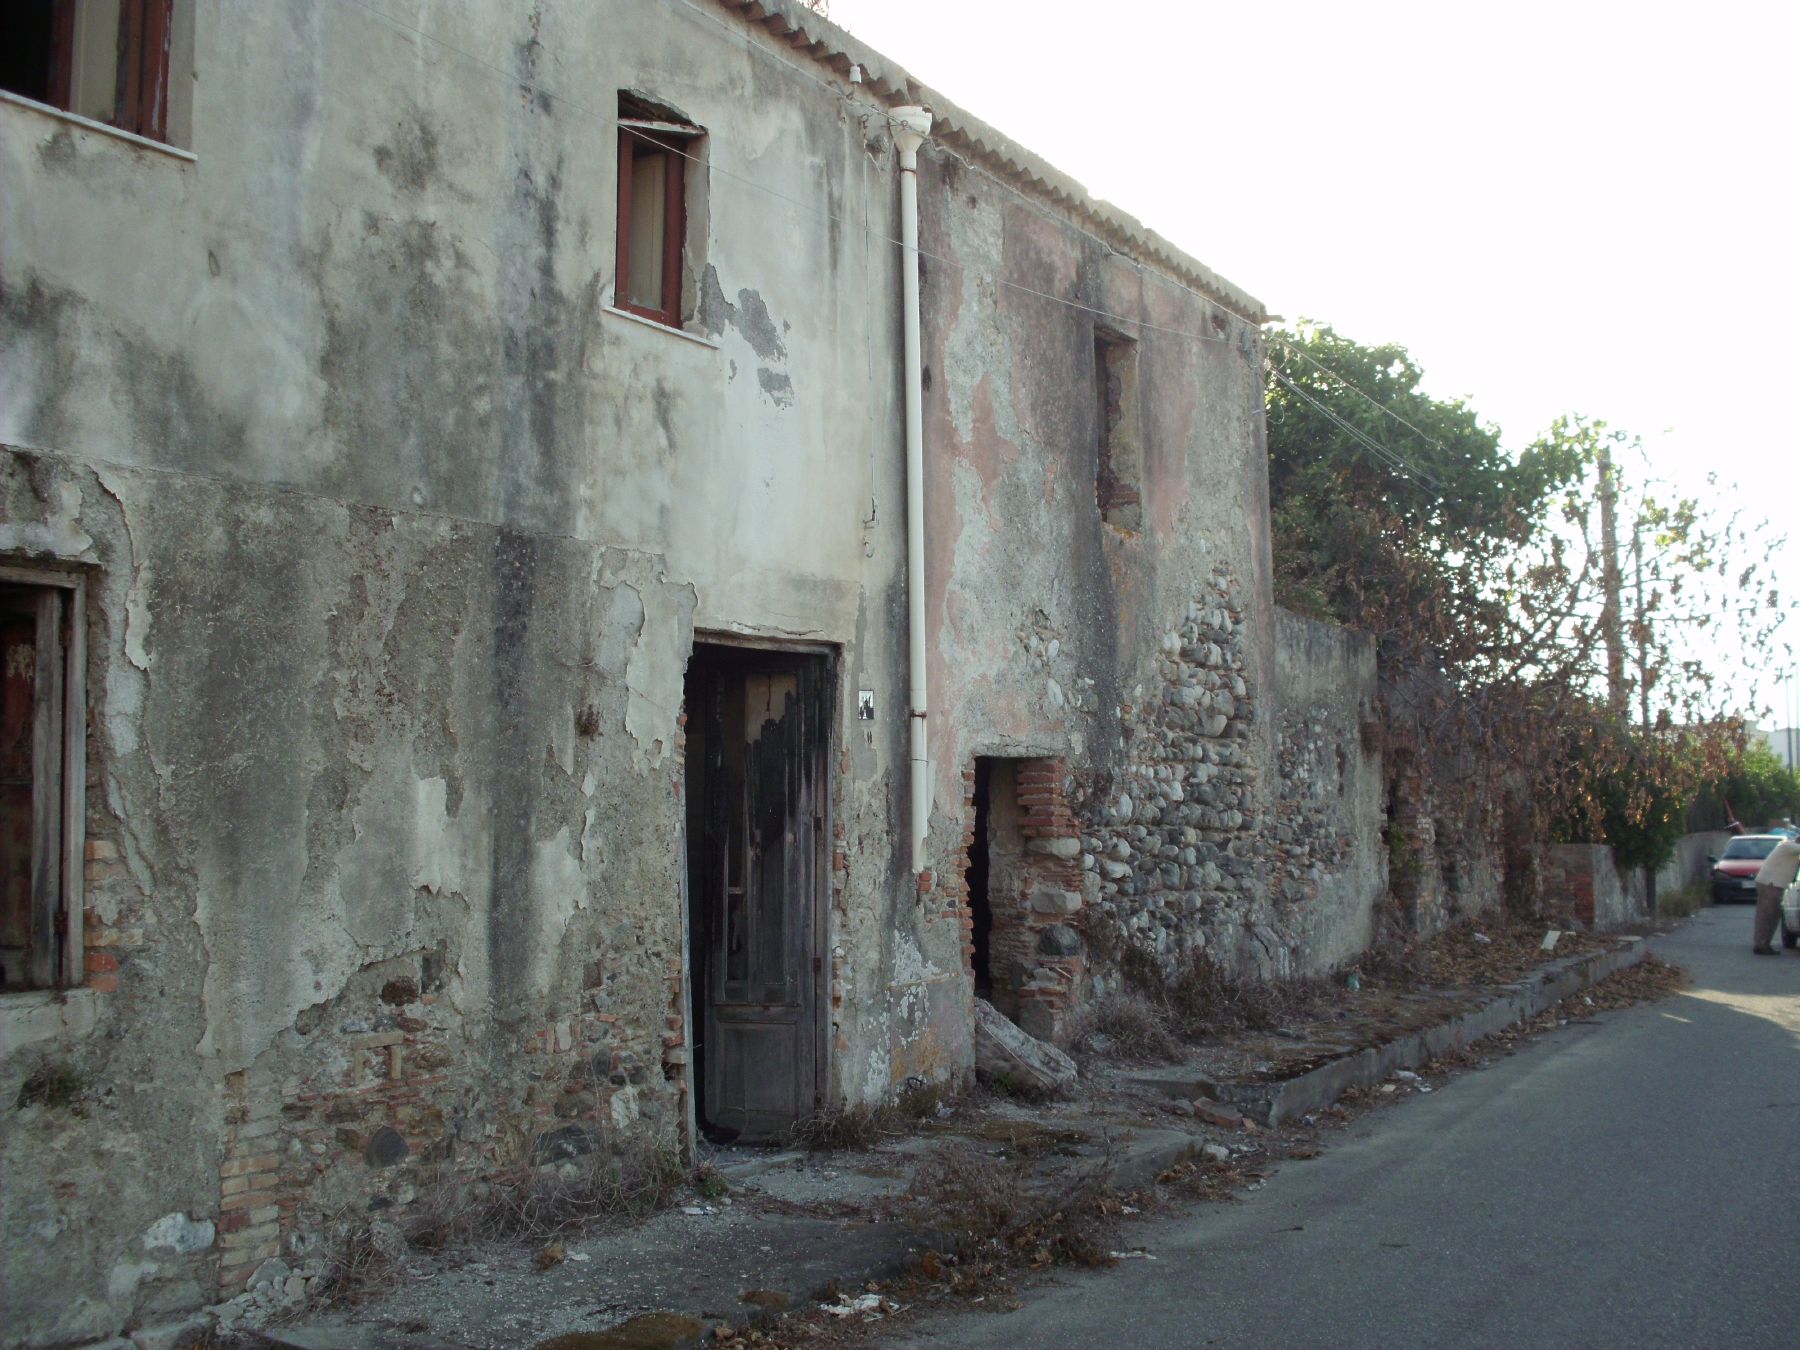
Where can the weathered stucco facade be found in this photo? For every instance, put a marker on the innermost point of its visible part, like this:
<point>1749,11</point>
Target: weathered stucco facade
<point>410,559</point>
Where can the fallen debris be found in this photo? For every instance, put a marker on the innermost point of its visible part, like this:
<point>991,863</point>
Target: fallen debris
<point>1011,1058</point>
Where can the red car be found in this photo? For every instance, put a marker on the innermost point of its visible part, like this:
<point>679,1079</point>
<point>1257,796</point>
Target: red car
<point>1734,874</point>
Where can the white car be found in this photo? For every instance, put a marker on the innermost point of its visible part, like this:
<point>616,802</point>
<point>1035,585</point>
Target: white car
<point>1790,916</point>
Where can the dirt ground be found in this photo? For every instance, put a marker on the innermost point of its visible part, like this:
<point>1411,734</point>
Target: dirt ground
<point>949,1201</point>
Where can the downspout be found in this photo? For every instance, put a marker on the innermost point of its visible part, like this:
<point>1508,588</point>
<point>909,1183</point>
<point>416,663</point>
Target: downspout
<point>911,126</point>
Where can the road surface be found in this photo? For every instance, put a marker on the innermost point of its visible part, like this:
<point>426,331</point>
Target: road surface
<point>1629,1181</point>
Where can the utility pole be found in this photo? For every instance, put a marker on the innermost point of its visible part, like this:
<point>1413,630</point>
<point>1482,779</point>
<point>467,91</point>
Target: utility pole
<point>1641,626</point>
<point>1610,626</point>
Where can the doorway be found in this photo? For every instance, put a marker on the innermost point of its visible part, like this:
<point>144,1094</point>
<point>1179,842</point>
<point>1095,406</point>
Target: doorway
<point>996,883</point>
<point>758,735</point>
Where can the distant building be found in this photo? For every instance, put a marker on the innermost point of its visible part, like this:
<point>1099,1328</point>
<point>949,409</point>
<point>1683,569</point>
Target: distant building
<point>1785,742</point>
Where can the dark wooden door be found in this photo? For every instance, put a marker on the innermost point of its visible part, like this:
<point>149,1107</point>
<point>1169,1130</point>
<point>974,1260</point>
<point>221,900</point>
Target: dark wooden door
<point>756,873</point>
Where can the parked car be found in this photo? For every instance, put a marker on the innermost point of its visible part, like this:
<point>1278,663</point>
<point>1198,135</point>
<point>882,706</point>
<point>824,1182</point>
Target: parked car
<point>1734,871</point>
<point>1790,916</point>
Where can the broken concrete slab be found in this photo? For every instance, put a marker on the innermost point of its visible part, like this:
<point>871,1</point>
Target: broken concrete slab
<point>1006,1054</point>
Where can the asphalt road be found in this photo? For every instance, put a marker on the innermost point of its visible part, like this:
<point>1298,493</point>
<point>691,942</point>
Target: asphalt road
<point>1633,1180</point>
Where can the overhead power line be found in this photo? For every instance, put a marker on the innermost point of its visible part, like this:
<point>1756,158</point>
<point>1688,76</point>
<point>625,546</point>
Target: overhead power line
<point>609,121</point>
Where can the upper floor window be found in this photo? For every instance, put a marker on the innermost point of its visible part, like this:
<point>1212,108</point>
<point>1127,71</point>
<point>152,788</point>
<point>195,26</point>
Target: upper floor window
<point>107,60</point>
<point>658,178</point>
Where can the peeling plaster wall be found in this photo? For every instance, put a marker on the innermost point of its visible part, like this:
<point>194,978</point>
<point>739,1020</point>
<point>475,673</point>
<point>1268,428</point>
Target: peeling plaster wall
<point>1051,627</point>
<point>399,540</point>
<point>1328,860</point>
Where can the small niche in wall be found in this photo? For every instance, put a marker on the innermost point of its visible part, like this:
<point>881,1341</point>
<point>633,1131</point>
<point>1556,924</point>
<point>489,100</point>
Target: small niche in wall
<point>1118,467</point>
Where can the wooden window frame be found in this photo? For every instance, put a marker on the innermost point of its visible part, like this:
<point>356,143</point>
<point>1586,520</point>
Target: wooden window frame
<point>141,97</point>
<point>671,140</point>
<point>59,824</point>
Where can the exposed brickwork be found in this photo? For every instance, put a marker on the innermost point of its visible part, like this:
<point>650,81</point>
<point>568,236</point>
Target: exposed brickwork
<point>112,927</point>
<point>1037,979</point>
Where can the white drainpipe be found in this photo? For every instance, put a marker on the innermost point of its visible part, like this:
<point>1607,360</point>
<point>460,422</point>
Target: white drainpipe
<point>911,127</point>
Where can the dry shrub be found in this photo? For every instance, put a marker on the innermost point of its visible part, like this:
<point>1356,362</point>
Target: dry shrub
<point>1204,999</point>
<point>547,1202</point>
<point>1135,1027</point>
<point>865,1125</point>
<point>362,1261</point>
<point>538,1205</point>
<point>1199,999</point>
<point>1493,948</point>
<point>988,1211</point>
<point>846,1127</point>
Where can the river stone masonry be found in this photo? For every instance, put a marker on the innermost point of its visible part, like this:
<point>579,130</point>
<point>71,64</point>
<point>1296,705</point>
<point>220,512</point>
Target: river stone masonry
<point>1171,852</point>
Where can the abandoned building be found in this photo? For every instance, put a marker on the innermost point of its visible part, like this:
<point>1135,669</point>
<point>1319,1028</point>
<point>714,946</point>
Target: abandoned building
<point>537,621</point>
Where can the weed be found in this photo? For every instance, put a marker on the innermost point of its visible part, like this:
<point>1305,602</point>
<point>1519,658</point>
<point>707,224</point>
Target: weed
<point>865,1125</point>
<point>846,1127</point>
<point>1678,904</point>
<point>992,1216</point>
<point>921,1100</point>
<point>710,1183</point>
<point>546,1202</point>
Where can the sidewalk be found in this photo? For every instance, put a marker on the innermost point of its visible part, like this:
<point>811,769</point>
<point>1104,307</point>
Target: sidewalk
<point>792,1230</point>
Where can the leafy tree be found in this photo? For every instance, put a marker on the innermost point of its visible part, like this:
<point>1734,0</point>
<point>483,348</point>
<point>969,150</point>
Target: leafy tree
<point>1757,787</point>
<point>1403,515</point>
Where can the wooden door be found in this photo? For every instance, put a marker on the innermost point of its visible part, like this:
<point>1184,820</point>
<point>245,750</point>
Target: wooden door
<point>758,733</point>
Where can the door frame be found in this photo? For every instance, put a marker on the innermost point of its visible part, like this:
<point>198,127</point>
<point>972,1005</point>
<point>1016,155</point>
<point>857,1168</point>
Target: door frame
<point>825,1090</point>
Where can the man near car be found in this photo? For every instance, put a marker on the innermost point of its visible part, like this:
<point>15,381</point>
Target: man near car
<point>1772,878</point>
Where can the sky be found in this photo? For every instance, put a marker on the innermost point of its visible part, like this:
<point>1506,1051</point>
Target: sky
<point>1573,207</point>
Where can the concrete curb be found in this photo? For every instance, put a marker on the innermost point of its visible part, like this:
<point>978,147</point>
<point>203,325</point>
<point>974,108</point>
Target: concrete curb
<point>1272,1103</point>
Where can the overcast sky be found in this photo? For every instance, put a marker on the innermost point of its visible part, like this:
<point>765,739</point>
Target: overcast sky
<point>1572,207</point>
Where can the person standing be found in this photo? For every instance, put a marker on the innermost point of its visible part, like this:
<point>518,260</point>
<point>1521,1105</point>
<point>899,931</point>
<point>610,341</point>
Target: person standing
<point>1772,878</point>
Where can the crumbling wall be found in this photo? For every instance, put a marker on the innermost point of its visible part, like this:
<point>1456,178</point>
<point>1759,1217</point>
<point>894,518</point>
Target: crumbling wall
<point>1461,831</point>
<point>397,538</point>
<point>1060,624</point>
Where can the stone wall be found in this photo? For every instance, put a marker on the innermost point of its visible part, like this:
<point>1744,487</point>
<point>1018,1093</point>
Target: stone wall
<point>1172,844</point>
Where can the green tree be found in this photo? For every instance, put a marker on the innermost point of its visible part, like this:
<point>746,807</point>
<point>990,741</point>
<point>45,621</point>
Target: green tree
<point>1757,788</point>
<point>1403,515</point>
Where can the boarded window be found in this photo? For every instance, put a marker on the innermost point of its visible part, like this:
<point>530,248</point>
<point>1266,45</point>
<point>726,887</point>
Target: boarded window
<point>104,59</point>
<point>41,774</point>
<point>1118,465</point>
<point>658,173</point>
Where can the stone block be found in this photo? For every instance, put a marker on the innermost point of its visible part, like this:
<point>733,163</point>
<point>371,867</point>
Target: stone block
<point>1049,901</point>
<point>178,1233</point>
<point>1059,940</point>
<point>1007,1052</point>
<point>1038,1020</point>
<point>1056,848</point>
<point>1216,1113</point>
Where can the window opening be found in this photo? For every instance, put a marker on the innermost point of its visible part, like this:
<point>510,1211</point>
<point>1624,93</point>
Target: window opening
<point>41,775</point>
<point>1118,460</point>
<point>107,60</point>
<point>657,167</point>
